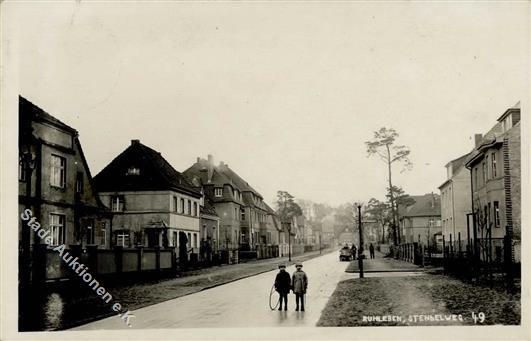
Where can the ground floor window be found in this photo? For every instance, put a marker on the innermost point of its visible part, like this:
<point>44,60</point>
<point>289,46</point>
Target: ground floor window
<point>57,228</point>
<point>195,240</point>
<point>103,234</point>
<point>90,231</point>
<point>122,239</point>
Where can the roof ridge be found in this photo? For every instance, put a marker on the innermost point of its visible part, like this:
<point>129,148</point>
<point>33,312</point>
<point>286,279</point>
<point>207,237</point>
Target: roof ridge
<point>44,114</point>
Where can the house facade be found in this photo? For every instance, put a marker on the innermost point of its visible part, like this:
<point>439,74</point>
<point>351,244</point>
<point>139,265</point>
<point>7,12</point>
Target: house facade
<point>421,221</point>
<point>456,205</point>
<point>241,210</point>
<point>55,183</point>
<point>210,238</point>
<point>495,170</point>
<point>152,204</point>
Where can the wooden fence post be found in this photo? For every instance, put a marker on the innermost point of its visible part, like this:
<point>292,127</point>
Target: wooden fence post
<point>459,243</point>
<point>445,260</point>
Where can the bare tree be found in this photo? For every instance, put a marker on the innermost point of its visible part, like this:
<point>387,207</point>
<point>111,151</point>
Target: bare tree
<point>384,146</point>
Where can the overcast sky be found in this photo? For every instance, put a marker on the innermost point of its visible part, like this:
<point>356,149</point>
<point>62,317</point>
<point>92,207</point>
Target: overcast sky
<point>285,93</point>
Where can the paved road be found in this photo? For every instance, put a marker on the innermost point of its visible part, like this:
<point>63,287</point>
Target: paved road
<point>244,303</point>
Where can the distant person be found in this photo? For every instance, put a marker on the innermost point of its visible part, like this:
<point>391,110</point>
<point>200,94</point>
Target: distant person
<point>371,250</point>
<point>183,251</point>
<point>299,284</point>
<point>283,286</point>
<point>353,251</point>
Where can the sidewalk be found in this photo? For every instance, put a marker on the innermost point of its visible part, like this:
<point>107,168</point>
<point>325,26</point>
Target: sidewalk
<point>381,264</point>
<point>133,296</point>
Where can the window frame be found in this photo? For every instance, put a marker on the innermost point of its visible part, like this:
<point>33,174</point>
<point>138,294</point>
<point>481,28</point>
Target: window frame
<point>493,165</point>
<point>484,167</point>
<point>123,235</point>
<point>218,192</point>
<point>60,237</point>
<point>104,233</point>
<point>496,207</point>
<point>61,171</point>
<point>120,203</point>
<point>487,166</point>
<point>79,183</point>
<point>175,201</point>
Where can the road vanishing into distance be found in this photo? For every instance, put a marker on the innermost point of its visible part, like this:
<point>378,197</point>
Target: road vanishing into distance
<point>243,303</point>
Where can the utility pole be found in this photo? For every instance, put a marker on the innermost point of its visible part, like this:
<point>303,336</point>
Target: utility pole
<point>360,250</point>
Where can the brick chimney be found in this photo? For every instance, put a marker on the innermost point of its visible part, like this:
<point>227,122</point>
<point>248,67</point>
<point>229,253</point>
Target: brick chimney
<point>210,168</point>
<point>477,139</point>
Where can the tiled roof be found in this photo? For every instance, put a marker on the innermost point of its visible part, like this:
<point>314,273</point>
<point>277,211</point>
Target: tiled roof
<point>241,184</point>
<point>155,173</point>
<point>25,107</point>
<point>425,205</point>
<point>495,134</point>
<point>221,175</point>
<point>489,138</point>
<point>270,210</point>
<point>460,161</point>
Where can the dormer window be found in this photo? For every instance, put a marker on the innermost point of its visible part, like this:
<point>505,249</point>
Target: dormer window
<point>133,171</point>
<point>218,192</point>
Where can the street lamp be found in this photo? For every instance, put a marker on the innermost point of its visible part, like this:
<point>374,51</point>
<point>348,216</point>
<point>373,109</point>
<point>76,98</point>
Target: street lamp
<point>360,250</point>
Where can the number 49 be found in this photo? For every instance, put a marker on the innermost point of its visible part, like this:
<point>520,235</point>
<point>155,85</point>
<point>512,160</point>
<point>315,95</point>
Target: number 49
<point>480,317</point>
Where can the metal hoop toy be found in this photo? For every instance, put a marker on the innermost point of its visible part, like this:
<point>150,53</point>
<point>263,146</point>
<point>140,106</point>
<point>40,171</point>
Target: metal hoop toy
<point>271,299</point>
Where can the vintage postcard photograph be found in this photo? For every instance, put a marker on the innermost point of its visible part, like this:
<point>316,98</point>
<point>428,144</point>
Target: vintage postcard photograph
<point>284,170</point>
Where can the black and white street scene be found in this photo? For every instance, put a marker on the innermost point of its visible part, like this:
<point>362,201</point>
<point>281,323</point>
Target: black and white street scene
<point>195,166</point>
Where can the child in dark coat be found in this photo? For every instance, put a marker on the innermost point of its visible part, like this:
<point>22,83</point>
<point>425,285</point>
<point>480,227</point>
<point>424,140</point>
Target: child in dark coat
<point>283,286</point>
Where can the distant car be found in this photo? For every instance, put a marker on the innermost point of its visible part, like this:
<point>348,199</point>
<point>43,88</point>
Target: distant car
<point>345,254</point>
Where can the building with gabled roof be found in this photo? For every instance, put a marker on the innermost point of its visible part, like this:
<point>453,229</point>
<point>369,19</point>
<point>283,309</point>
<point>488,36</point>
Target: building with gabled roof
<point>243,213</point>
<point>456,203</point>
<point>420,221</point>
<point>56,185</point>
<point>153,204</point>
<point>495,170</point>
